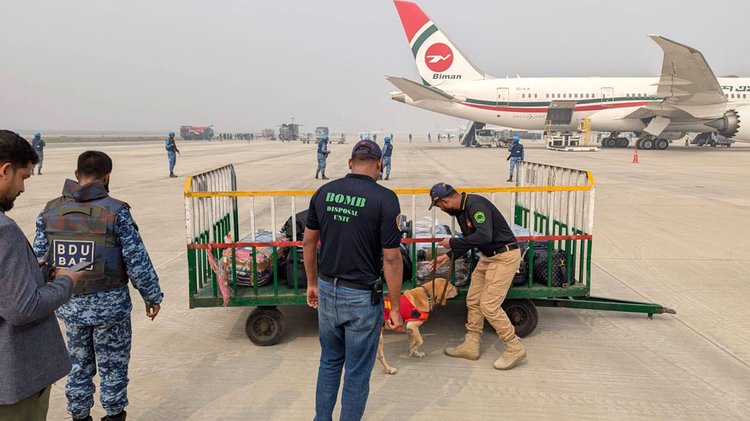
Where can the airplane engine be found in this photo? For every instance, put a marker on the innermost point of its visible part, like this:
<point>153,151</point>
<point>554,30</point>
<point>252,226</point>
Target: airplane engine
<point>730,126</point>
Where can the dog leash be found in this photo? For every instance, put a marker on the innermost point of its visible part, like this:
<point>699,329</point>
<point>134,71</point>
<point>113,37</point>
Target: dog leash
<point>434,276</point>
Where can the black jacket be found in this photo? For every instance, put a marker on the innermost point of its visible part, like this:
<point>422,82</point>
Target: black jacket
<point>482,225</point>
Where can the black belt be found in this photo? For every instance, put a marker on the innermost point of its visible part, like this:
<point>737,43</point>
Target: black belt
<point>503,249</point>
<point>347,283</point>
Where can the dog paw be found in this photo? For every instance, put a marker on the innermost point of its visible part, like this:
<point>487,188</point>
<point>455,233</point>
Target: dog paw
<point>391,370</point>
<point>418,354</point>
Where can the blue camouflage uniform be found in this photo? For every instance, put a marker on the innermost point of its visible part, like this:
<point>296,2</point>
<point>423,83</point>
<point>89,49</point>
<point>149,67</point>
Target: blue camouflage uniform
<point>38,144</point>
<point>171,147</point>
<point>387,154</point>
<point>322,155</point>
<point>98,324</point>
<point>516,154</point>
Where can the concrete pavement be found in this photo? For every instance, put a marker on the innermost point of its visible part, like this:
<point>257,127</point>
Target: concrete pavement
<point>672,230</point>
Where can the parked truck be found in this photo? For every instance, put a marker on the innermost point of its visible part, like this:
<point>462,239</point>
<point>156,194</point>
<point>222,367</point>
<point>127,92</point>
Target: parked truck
<point>485,137</point>
<point>196,132</point>
<point>289,132</point>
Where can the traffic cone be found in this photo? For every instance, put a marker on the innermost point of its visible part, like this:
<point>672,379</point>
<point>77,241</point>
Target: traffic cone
<point>635,156</point>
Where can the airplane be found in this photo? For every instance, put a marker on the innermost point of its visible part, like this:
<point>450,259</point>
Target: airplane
<point>686,98</point>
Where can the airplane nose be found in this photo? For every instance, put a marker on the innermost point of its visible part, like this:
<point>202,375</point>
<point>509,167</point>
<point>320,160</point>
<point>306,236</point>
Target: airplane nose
<point>398,96</point>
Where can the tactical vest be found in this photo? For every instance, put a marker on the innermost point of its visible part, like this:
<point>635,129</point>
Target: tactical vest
<point>80,231</point>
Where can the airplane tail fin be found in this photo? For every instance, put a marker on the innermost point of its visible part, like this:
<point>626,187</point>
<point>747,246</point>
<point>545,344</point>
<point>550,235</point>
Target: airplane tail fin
<point>437,58</point>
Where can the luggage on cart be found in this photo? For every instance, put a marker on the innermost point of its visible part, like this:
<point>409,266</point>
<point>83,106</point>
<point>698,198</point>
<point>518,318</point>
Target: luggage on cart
<point>300,219</point>
<point>244,260</point>
<point>289,270</point>
<point>559,267</point>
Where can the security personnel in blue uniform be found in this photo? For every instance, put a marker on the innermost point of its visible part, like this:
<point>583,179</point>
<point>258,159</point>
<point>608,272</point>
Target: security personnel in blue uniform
<point>483,227</point>
<point>323,153</point>
<point>355,220</point>
<point>38,144</point>
<point>86,224</point>
<point>387,154</point>
<point>516,154</point>
<point>172,151</point>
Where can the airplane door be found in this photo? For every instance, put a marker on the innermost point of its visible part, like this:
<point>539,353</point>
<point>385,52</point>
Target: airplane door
<point>608,96</point>
<point>502,96</point>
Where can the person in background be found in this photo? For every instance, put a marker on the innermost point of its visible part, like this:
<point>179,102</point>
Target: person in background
<point>323,153</point>
<point>171,146</point>
<point>516,155</point>
<point>38,144</point>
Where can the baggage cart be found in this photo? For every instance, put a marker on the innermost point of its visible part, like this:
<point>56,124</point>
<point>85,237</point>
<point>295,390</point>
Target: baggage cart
<point>553,206</point>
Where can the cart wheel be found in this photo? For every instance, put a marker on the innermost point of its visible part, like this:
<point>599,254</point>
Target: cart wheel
<point>522,313</point>
<point>265,326</point>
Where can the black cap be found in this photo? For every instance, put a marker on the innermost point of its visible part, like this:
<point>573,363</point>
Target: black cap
<point>439,191</point>
<point>367,147</point>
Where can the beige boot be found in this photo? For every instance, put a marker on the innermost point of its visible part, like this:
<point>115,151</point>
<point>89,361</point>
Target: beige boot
<point>468,349</point>
<point>513,353</point>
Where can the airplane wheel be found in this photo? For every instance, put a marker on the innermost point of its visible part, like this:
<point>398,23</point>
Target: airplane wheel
<point>662,144</point>
<point>647,143</point>
<point>622,142</point>
<point>638,144</point>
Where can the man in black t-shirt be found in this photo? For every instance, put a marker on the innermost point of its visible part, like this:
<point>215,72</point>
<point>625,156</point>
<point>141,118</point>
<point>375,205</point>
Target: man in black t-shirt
<point>483,227</point>
<point>355,220</point>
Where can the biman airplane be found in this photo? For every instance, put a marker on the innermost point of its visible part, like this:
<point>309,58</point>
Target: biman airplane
<point>686,98</point>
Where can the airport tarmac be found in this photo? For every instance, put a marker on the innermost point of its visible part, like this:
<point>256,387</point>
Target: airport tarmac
<point>673,230</point>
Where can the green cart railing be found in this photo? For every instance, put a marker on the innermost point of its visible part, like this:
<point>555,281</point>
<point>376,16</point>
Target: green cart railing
<point>554,205</point>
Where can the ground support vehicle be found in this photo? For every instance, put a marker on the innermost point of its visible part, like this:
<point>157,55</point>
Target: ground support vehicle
<point>712,139</point>
<point>485,137</point>
<point>554,205</point>
<point>196,132</point>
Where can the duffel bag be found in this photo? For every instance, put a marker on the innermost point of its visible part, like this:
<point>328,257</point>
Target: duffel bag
<point>559,267</point>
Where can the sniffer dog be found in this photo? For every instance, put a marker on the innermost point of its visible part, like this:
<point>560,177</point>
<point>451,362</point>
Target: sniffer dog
<point>415,307</point>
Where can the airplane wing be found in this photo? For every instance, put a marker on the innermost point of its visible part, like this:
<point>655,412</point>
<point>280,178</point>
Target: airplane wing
<point>687,83</point>
<point>418,92</point>
<point>686,77</point>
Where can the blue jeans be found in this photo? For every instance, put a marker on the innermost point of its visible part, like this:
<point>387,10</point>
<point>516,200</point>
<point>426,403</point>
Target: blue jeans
<point>349,328</point>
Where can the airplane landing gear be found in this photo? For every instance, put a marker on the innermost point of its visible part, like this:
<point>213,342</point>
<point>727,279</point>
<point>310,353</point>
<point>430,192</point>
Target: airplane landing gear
<point>653,143</point>
<point>615,141</point>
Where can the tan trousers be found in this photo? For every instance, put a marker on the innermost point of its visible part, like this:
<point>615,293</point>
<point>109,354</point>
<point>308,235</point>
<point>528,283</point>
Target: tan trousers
<point>33,408</point>
<point>490,282</point>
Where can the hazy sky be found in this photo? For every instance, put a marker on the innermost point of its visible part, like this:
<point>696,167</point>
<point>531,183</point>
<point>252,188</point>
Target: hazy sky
<point>245,65</point>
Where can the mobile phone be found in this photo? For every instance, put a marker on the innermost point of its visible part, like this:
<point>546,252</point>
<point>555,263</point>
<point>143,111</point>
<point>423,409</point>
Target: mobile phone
<point>80,266</point>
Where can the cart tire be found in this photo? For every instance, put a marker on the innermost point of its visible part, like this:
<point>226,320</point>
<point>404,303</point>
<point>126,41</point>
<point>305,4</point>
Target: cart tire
<point>522,313</point>
<point>265,326</point>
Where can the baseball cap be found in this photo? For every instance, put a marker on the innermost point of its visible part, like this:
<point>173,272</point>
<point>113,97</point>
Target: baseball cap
<point>367,147</point>
<point>439,191</point>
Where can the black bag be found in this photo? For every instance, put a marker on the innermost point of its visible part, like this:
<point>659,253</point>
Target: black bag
<point>559,267</point>
<point>289,270</point>
<point>406,258</point>
<point>522,276</point>
<point>300,219</point>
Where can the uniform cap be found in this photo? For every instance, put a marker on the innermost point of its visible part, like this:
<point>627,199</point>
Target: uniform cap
<point>438,191</point>
<point>516,139</point>
<point>367,147</point>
